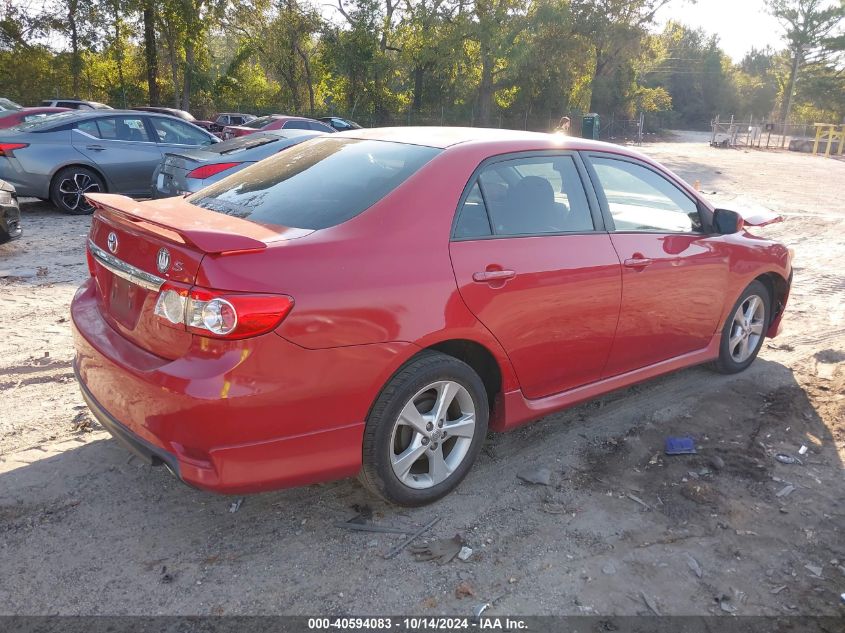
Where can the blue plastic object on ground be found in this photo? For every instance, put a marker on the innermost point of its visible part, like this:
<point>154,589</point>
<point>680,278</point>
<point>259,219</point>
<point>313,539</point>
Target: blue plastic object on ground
<point>680,446</point>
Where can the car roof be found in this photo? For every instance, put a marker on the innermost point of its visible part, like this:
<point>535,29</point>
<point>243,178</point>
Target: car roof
<point>510,140</point>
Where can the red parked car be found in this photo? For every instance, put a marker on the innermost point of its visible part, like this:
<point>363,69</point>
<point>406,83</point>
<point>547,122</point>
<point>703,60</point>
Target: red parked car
<point>275,122</point>
<point>371,302</point>
<point>11,118</point>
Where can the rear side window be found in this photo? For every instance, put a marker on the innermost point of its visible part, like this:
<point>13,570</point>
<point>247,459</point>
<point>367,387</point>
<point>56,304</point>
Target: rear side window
<point>117,128</point>
<point>527,196</point>
<point>317,184</point>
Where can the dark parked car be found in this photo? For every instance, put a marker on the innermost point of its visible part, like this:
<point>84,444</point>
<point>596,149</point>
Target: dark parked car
<point>275,122</point>
<point>69,154</point>
<point>225,119</point>
<point>10,214</point>
<point>75,104</point>
<point>12,118</point>
<point>368,303</point>
<point>190,170</point>
<point>174,112</point>
<point>341,125</point>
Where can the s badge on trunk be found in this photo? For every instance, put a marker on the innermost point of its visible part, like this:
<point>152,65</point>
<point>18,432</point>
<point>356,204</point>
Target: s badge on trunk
<point>111,242</point>
<point>163,260</point>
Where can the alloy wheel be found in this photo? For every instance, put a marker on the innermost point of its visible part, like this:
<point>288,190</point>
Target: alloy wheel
<point>432,435</point>
<point>746,328</point>
<point>73,189</point>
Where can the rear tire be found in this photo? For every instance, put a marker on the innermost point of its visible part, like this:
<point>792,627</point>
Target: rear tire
<point>69,186</point>
<point>424,431</point>
<point>744,330</point>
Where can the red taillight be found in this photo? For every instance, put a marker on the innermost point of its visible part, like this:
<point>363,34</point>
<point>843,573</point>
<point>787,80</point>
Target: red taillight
<point>217,315</point>
<point>206,171</point>
<point>6,149</point>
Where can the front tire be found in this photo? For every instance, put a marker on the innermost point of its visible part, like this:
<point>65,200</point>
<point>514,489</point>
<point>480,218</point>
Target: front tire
<point>745,330</point>
<point>69,186</point>
<point>425,430</point>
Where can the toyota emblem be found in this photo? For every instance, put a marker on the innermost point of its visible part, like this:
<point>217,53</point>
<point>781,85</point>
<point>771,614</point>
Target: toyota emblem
<point>111,242</point>
<point>163,260</point>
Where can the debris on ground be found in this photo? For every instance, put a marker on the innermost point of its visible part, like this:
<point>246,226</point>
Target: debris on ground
<point>540,476</point>
<point>392,553</point>
<point>802,450</point>
<point>638,500</point>
<point>370,527</point>
<point>816,570</point>
<point>785,491</point>
<point>716,462</point>
<point>786,458</point>
<point>464,590</point>
<point>236,505</point>
<point>694,566</point>
<point>443,550</point>
<point>465,554</point>
<point>680,446</point>
<point>650,603</point>
<point>609,569</point>
<point>777,590</point>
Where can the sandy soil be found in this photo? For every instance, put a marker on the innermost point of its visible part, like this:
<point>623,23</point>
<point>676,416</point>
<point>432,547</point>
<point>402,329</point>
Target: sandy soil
<point>621,529</point>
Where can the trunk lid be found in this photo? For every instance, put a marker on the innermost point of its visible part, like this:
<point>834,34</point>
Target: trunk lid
<point>136,248</point>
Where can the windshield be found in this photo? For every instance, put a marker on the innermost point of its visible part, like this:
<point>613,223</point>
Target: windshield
<point>243,143</point>
<point>259,123</point>
<point>317,184</point>
<point>47,122</point>
<point>8,104</point>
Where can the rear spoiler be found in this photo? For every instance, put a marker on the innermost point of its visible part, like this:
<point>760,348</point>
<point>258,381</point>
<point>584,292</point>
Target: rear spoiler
<point>178,221</point>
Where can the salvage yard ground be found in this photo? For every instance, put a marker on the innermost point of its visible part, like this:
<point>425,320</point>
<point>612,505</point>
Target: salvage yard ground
<point>620,529</point>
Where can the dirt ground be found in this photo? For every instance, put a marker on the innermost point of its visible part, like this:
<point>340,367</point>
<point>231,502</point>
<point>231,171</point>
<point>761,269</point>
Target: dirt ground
<point>621,529</point>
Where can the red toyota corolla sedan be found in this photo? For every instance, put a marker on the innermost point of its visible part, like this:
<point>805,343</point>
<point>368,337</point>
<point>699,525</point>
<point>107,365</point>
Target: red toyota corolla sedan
<point>371,302</point>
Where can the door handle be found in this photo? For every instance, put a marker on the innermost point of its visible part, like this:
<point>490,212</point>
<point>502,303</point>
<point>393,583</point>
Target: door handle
<point>96,148</point>
<point>493,275</point>
<point>638,262</point>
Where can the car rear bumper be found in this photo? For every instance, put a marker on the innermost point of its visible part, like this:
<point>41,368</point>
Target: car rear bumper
<point>254,415</point>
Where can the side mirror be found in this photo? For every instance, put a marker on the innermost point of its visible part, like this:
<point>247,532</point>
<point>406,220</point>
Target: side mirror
<point>727,222</point>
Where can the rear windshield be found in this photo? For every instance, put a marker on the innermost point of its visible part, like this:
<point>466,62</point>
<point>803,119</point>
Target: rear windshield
<point>259,122</point>
<point>317,184</point>
<point>240,143</point>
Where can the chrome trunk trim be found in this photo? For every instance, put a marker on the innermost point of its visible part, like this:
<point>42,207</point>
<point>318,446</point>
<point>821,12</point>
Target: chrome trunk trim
<point>125,271</point>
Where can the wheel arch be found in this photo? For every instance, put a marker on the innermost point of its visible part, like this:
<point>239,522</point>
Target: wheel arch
<point>778,288</point>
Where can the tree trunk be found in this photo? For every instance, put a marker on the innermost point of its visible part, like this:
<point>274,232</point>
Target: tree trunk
<point>419,75</point>
<point>485,89</point>
<point>189,70</point>
<point>118,47</point>
<point>309,80</point>
<point>76,59</point>
<point>150,52</point>
<point>790,87</point>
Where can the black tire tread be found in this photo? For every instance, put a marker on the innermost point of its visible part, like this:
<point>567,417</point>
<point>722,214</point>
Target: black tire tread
<point>423,362</point>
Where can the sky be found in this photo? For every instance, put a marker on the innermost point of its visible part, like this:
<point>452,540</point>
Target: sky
<point>740,24</point>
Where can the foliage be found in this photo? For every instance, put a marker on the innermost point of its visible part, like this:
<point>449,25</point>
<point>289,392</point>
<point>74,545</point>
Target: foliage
<point>516,63</point>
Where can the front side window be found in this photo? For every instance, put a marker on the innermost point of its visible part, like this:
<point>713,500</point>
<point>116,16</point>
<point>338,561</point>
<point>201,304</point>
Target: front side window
<point>640,199</point>
<point>532,196</point>
<point>116,128</point>
<point>176,132</point>
<point>316,184</point>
